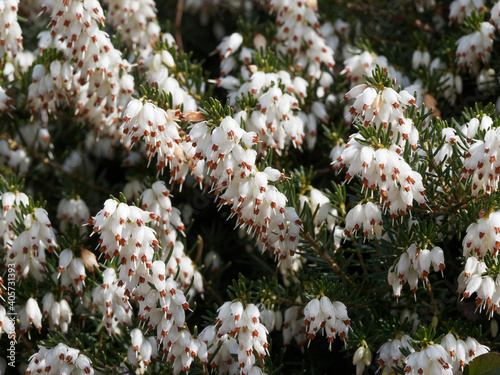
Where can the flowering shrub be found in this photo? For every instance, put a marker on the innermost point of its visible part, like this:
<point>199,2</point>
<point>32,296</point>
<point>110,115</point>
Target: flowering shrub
<point>247,187</point>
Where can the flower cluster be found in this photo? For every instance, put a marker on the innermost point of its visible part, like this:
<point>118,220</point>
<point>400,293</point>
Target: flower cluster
<point>27,252</point>
<point>58,312</point>
<point>362,358</point>
<point>11,39</point>
<point>182,265</point>
<point>6,324</point>
<point>158,69</point>
<point>15,158</point>
<point>368,216</point>
<point>320,202</point>
<point>142,350</point>
<point>111,300</point>
<point>164,306</point>
<point>383,107</point>
<point>449,356</point>
<point>284,99</point>
<point>167,220</point>
<point>431,359</point>
<point>298,34</point>
<point>157,127</point>
<point>483,237</point>
<point>72,211</point>
<point>12,201</point>
<point>475,47</point>
<point>29,315</point>
<point>184,350</point>
<point>240,332</point>
<point>272,320</point>
<point>123,234</point>
<point>256,203</point>
<point>294,327</point>
<point>71,270</point>
<point>273,119</point>
<point>137,21</point>
<point>50,86</point>
<point>166,224</point>
<point>386,170</point>
<point>474,279</point>
<point>389,354</point>
<point>363,63</point>
<point>461,9</point>
<point>34,135</point>
<point>102,85</point>
<point>445,153</point>
<point>461,352</point>
<point>61,359</point>
<point>482,164</point>
<point>330,316</point>
<point>414,264</point>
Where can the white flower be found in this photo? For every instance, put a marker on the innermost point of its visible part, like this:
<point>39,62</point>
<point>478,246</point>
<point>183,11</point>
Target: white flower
<point>368,216</point>
<point>432,359</point>
<point>58,312</point>
<point>386,170</point>
<point>240,332</point>
<point>157,66</point>
<point>475,47</point>
<point>389,353</point>
<point>6,324</point>
<point>362,358</point>
<point>383,107</point>
<point>60,359</point>
<point>11,39</point>
<point>293,326</point>
<point>474,279</point>
<point>158,129</point>
<point>415,263</point>
<point>229,44</point>
<point>483,237</point>
<point>29,315</point>
<point>28,249</point>
<point>256,202</point>
<point>332,316</point>
<point>364,63</point>
<point>137,22</point>
<point>5,101</point>
<point>482,164</point>
<point>297,33</point>
<point>145,347</point>
<point>325,212</point>
<point>112,302</point>
<point>72,211</point>
<point>461,9</point>
<point>95,79</point>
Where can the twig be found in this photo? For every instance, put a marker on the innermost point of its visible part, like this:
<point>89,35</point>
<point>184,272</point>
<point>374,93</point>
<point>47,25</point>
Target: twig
<point>210,290</point>
<point>433,300</point>
<point>335,267</point>
<point>361,260</point>
<point>200,250</point>
<point>178,21</point>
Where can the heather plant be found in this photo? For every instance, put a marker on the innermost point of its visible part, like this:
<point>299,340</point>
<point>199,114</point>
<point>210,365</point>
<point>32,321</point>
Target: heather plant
<point>249,187</point>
